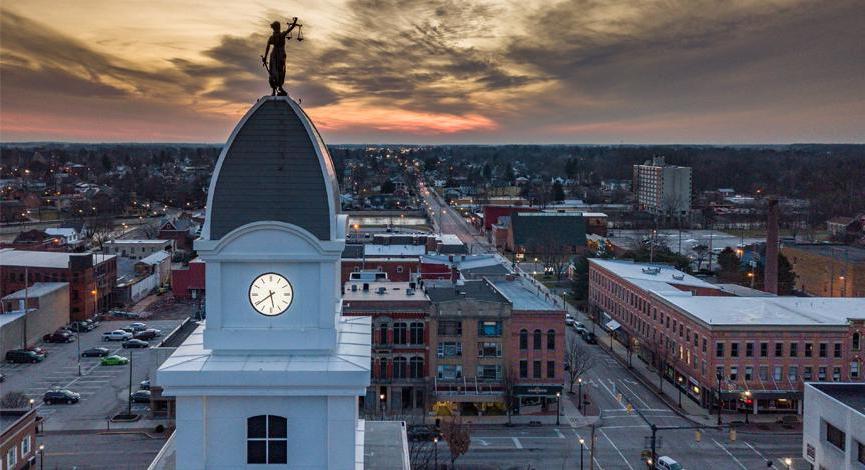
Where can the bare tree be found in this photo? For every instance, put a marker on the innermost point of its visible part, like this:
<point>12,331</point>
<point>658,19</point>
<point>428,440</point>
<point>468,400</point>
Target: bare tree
<point>578,360</point>
<point>458,436</point>
<point>14,400</point>
<point>661,357</point>
<point>508,392</point>
<point>421,454</point>
<point>99,230</point>
<point>700,251</point>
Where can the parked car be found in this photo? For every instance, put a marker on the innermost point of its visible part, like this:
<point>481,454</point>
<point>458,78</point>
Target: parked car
<point>38,350</point>
<point>140,396</point>
<point>123,314</point>
<point>60,395</point>
<point>145,335</point>
<point>81,326</point>
<point>58,337</point>
<point>114,360</point>
<point>422,432</point>
<point>92,323</point>
<point>95,352</point>
<point>590,337</point>
<point>138,326</point>
<point>581,330</point>
<point>116,335</point>
<point>144,384</point>
<point>569,321</point>
<point>135,343</point>
<point>20,356</point>
<point>667,463</point>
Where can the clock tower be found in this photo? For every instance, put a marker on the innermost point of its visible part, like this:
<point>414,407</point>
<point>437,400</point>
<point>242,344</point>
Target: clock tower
<point>274,374</point>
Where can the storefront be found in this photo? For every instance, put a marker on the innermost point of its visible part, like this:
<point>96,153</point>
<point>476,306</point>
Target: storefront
<point>533,399</point>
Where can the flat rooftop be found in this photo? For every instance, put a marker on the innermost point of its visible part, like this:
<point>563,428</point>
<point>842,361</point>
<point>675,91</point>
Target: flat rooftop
<point>381,291</point>
<point>136,242</point>
<point>43,259</point>
<point>36,290</point>
<point>394,250</point>
<point>650,272</point>
<point>524,296</point>
<point>775,311</point>
<point>850,394</point>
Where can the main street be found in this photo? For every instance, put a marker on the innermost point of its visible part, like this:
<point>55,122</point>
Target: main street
<point>620,436</point>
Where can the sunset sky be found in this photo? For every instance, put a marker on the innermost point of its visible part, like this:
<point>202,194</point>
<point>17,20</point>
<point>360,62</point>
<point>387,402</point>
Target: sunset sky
<point>440,71</point>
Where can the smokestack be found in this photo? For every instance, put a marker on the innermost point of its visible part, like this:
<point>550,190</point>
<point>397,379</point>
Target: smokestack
<point>770,272</point>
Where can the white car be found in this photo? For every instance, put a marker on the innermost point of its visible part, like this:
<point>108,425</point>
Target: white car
<point>569,321</point>
<point>116,335</point>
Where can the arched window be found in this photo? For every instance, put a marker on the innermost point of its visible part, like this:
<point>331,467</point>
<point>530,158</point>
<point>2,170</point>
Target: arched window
<point>416,333</point>
<point>400,333</point>
<point>856,340</point>
<point>537,339</point>
<point>399,367</point>
<point>551,340</point>
<point>382,364</point>
<point>524,340</point>
<point>416,367</point>
<point>266,439</point>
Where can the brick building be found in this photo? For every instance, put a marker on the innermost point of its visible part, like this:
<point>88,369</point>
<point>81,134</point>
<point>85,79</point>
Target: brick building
<point>18,439</point>
<point>187,282</point>
<point>91,277</point>
<point>827,270</point>
<point>662,189</point>
<point>705,339</point>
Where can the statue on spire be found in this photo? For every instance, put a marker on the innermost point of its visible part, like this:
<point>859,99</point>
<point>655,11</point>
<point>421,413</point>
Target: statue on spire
<point>276,66</point>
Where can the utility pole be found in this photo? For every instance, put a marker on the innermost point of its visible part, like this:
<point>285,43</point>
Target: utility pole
<point>129,395</point>
<point>26,301</point>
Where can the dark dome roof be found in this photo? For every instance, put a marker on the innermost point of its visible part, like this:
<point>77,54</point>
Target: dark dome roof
<point>274,167</point>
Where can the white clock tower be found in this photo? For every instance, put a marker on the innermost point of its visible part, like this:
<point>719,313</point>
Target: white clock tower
<point>273,376</point>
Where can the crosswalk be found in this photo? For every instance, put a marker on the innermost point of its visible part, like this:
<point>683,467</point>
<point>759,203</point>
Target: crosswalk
<point>94,378</point>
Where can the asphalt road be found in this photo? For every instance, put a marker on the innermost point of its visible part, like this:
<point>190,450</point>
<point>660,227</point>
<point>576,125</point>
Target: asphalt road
<point>103,389</point>
<point>91,451</point>
<point>447,220</point>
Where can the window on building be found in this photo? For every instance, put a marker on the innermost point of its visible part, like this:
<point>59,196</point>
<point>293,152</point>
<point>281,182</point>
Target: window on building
<point>719,349</point>
<point>764,349</point>
<point>524,340</point>
<point>266,440</point>
<point>400,333</point>
<point>821,374</point>
<point>489,328</point>
<point>399,269</point>
<point>777,373</point>
<point>536,339</point>
<point>705,345</point>
<point>415,367</point>
<point>734,373</point>
<point>450,328</point>
<point>837,351</point>
<point>734,349</point>
<point>793,374</point>
<point>794,349</point>
<point>860,452</point>
<point>25,446</point>
<point>807,374</point>
<point>11,458</point>
<point>399,367</point>
<point>490,371</point>
<point>416,333</point>
<point>856,341</point>
<point>835,436</point>
<point>749,373</point>
<point>489,350</point>
<point>382,368</point>
<point>450,349</point>
<point>551,340</point>
<point>536,369</point>
<point>779,349</point>
<point>524,368</point>
<point>749,349</point>
<point>763,372</point>
<point>809,349</point>
<point>823,349</point>
<point>449,371</point>
<point>854,369</point>
<point>551,369</point>
<point>836,374</point>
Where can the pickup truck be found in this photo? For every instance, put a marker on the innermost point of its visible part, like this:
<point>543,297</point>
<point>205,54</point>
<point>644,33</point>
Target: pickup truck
<point>116,335</point>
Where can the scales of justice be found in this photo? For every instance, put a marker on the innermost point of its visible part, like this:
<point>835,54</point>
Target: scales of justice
<point>276,64</point>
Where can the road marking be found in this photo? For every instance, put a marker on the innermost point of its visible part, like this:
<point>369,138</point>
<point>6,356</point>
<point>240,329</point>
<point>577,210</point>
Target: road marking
<point>517,443</point>
<point>588,449</point>
<point>559,433</point>
<point>616,448</point>
<point>642,426</point>
<point>730,454</point>
<point>755,450</point>
<point>611,393</point>
<point>635,395</point>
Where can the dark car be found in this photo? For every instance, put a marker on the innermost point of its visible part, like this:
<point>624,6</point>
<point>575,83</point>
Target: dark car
<point>21,356</point>
<point>422,432</point>
<point>60,395</point>
<point>81,326</point>
<point>145,335</point>
<point>58,337</point>
<point>135,343</point>
<point>140,396</point>
<point>95,352</point>
<point>144,384</point>
<point>590,337</point>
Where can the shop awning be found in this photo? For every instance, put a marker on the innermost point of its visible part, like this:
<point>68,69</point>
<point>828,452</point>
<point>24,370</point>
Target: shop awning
<point>613,325</point>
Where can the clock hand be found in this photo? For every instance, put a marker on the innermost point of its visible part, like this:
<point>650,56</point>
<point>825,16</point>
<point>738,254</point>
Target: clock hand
<point>262,300</point>
<point>271,299</point>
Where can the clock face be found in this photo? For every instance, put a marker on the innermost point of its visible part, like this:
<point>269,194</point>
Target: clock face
<point>270,294</point>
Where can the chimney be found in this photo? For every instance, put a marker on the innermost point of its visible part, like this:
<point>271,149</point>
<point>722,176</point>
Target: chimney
<point>770,272</point>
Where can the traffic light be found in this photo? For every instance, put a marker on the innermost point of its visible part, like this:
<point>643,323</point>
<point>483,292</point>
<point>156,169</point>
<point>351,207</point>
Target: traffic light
<point>698,435</point>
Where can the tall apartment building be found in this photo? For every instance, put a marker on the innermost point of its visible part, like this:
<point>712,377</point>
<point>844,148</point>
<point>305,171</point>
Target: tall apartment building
<point>663,189</point>
<point>758,351</point>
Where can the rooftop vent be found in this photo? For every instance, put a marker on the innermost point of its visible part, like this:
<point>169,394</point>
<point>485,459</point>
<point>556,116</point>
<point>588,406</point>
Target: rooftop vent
<point>678,277</point>
<point>409,292</point>
<point>381,290</point>
<point>652,270</point>
<point>354,287</point>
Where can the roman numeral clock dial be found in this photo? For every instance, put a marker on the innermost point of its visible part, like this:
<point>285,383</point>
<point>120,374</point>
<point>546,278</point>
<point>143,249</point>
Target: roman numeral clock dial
<point>271,294</point>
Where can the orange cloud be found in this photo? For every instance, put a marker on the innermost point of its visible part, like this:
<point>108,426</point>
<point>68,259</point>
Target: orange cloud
<point>355,115</point>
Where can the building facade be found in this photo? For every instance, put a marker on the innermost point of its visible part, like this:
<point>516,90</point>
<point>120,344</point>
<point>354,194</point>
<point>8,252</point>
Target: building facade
<point>833,426</point>
<point>137,249</point>
<point>18,439</point>
<point>704,339</point>
<point>40,309</point>
<point>824,270</point>
<point>662,189</point>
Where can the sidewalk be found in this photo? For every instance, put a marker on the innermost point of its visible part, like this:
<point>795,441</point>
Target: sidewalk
<point>102,425</point>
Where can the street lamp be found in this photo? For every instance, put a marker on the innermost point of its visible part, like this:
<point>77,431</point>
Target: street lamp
<point>381,402</point>
<point>558,406</point>
<point>789,463</point>
<point>41,456</point>
<point>748,403</point>
<point>679,380</point>
<point>436,451</point>
<point>718,376</point>
<point>31,401</point>
<point>582,445</point>
<point>580,392</point>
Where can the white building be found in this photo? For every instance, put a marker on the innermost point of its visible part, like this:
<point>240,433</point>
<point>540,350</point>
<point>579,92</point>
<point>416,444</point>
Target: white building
<point>833,431</point>
<point>274,375</point>
<point>137,249</point>
<point>663,189</point>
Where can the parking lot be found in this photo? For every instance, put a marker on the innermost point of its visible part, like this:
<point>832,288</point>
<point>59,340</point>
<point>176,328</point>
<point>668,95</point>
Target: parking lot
<point>103,389</point>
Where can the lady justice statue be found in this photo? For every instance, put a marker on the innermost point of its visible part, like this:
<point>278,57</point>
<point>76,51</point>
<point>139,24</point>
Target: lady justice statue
<point>276,67</point>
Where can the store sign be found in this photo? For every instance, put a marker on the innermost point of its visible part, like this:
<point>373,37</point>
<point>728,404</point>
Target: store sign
<point>537,389</point>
